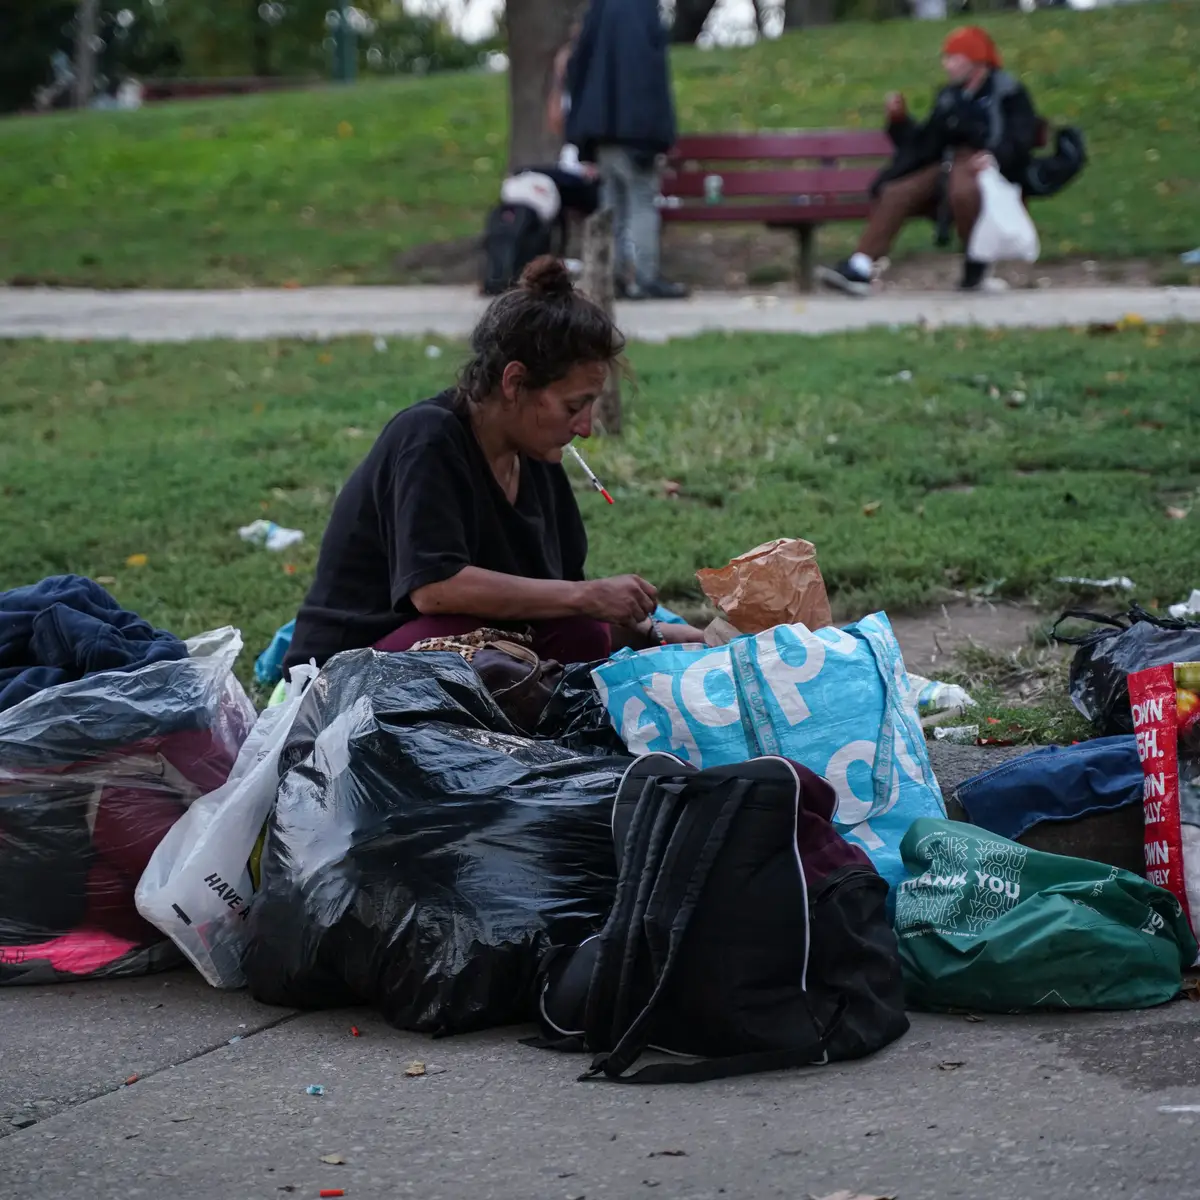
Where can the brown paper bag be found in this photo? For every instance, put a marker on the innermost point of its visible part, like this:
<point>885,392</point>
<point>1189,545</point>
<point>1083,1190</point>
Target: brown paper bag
<point>777,583</point>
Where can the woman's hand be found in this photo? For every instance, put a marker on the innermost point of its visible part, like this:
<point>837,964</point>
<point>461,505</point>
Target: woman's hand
<point>620,600</point>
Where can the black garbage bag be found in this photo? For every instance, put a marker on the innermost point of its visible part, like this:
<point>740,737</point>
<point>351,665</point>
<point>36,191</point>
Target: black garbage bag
<point>422,855</point>
<point>576,717</point>
<point>1124,643</point>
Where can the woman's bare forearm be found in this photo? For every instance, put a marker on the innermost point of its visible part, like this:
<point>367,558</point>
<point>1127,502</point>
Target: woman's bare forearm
<point>475,592</point>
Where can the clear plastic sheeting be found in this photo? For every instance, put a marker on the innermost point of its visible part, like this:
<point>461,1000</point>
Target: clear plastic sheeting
<point>423,855</point>
<point>93,774</point>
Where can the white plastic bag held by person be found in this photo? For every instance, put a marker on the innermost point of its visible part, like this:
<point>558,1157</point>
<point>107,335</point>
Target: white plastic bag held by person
<point>197,887</point>
<point>1004,231</point>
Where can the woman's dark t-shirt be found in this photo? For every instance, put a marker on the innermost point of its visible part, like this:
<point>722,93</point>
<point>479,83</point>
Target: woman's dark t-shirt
<point>421,506</point>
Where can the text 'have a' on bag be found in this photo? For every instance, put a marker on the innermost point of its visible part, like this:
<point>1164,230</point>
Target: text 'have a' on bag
<point>746,932</point>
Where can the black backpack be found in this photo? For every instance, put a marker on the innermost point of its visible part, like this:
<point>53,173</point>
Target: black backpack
<point>514,236</point>
<point>1050,173</point>
<point>745,931</point>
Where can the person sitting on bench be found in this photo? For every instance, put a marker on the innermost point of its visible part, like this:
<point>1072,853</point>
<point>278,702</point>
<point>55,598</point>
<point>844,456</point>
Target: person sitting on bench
<point>983,116</point>
<point>462,516</point>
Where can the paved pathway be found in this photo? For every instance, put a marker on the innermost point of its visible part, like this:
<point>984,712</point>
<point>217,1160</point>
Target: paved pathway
<point>328,312</point>
<point>1063,1105</point>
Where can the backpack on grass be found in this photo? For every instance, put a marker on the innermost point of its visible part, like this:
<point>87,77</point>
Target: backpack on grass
<point>514,236</point>
<point>746,931</point>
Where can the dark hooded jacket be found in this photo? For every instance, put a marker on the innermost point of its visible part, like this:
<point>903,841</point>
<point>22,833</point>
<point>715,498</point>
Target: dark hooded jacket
<point>619,81</point>
<point>999,118</point>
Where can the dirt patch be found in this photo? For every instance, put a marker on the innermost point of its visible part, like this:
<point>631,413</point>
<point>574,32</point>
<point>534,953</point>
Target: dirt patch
<point>764,260</point>
<point>933,639</point>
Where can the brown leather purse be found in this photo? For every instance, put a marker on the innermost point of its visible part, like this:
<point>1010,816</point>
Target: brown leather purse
<point>519,681</point>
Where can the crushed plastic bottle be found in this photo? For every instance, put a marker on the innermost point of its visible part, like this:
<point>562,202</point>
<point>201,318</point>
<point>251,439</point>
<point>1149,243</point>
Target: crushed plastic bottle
<point>267,533</point>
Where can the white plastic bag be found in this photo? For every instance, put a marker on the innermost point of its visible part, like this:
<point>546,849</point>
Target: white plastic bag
<point>1004,231</point>
<point>197,886</point>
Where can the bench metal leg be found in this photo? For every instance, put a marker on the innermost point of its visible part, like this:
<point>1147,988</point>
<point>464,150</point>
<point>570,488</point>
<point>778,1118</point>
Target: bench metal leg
<point>806,259</point>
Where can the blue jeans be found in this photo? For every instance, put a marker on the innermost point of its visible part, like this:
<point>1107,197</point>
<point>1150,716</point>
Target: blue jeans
<point>630,191</point>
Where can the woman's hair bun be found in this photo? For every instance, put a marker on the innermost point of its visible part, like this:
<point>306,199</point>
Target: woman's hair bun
<point>547,276</point>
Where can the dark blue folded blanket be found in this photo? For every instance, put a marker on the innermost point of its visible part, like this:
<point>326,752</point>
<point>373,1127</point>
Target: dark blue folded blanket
<point>1056,783</point>
<point>67,627</point>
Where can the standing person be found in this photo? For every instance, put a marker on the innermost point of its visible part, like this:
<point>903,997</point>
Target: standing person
<point>462,516</point>
<point>622,117</point>
<point>982,117</point>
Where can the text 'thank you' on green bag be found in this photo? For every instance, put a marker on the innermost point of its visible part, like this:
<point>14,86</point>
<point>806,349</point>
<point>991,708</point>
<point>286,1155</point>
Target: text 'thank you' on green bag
<point>984,923</point>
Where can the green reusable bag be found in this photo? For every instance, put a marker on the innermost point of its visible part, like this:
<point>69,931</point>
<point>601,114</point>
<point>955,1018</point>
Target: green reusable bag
<point>986,924</point>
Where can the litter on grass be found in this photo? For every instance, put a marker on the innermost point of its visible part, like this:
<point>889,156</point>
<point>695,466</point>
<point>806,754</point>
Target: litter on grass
<point>1121,582</point>
<point>269,535</point>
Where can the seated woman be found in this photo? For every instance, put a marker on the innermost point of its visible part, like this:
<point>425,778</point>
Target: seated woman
<point>983,117</point>
<point>462,516</point>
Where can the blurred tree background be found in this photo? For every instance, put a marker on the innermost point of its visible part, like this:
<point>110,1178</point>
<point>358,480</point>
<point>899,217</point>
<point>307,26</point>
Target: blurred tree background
<point>214,38</point>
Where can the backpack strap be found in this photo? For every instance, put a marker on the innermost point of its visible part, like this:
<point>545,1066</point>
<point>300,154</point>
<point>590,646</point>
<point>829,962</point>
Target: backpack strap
<point>669,896</point>
<point>618,939</point>
<point>705,1069</point>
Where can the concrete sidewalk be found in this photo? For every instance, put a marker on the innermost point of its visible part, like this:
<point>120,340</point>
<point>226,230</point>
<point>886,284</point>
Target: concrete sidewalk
<point>451,312</point>
<point>1008,1108</point>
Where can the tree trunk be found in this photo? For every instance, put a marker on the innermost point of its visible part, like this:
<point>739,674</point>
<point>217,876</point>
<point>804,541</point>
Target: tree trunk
<point>260,43</point>
<point>803,14</point>
<point>598,284</point>
<point>86,20</point>
<point>690,16</point>
<point>536,31</point>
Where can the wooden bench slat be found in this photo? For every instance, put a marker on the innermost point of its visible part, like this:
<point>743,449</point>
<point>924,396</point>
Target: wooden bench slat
<point>817,143</point>
<point>771,214</point>
<point>816,183</point>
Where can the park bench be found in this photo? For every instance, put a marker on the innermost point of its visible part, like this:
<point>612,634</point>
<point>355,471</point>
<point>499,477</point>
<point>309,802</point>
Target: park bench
<point>783,179</point>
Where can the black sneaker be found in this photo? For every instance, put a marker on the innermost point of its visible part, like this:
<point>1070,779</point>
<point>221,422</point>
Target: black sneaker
<point>659,289</point>
<point>973,277</point>
<point>844,278</point>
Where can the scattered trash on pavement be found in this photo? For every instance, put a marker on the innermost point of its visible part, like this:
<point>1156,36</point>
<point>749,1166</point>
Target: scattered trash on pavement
<point>848,1195</point>
<point>354,1031</point>
<point>331,1192</point>
<point>951,1066</point>
<point>132,1079</point>
<point>315,1089</point>
<point>269,535</point>
<point>413,1070</point>
<point>333,1160</point>
<point>1179,1108</point>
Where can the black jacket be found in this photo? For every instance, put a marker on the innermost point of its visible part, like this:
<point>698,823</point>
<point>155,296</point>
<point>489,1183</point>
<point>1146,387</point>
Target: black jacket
<point>999,118</point>
<point>619,81</point>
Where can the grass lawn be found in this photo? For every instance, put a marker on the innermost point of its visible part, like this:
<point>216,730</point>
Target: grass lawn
<point>326,186</point>
<point>1002,462</point>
